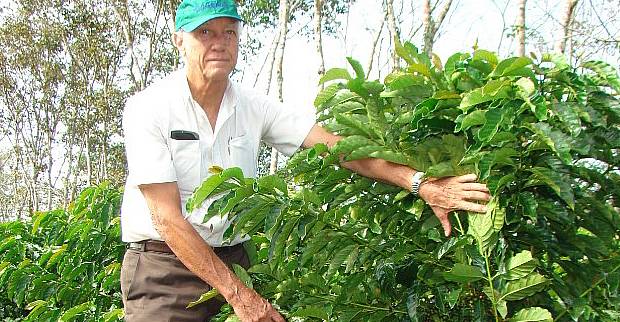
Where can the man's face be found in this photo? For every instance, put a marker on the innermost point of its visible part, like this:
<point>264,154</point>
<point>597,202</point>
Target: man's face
<point>211,49</point>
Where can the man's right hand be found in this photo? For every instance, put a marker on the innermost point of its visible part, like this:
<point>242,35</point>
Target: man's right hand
<point>249,306</point>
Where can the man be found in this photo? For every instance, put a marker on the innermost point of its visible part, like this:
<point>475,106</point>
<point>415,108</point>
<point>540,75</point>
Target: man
<point>180,126</point>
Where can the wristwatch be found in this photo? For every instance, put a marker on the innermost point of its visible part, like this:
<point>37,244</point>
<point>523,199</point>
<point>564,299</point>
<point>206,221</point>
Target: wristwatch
<point>416,181</point>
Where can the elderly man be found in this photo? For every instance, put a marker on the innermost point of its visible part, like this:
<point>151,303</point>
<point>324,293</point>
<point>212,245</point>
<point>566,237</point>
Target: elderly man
<point>195,118</point>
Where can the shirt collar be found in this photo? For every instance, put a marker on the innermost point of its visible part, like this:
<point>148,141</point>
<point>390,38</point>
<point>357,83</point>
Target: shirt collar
<point>229,101</point>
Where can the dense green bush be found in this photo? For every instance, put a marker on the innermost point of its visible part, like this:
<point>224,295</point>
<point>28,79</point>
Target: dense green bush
<point>331,245</point>
<point>64,265</point>
<point>544,136</point>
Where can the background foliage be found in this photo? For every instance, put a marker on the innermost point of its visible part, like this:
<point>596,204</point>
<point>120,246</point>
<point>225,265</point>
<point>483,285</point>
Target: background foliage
<point>64,265</point>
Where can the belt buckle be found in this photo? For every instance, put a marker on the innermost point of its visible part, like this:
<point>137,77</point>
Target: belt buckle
<point>137,246</point>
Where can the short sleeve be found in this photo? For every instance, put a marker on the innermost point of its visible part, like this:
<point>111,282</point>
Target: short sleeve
<point>148,157</point>
<point>286,127</point>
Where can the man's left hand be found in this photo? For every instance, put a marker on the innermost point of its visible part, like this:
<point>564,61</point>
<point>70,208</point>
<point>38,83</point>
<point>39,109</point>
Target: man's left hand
<point>454,193</point>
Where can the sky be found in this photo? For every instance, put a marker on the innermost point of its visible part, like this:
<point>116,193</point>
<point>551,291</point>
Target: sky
<point>468,22</point>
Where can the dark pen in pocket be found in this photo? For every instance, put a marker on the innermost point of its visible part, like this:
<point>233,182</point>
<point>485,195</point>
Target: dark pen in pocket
<point>183,135</point>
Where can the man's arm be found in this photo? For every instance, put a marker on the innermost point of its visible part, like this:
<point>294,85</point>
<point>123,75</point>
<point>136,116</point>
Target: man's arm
<point>443,195</point>
<point>164,202</point>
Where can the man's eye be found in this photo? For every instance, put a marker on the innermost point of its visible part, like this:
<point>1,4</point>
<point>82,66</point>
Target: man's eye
<point>231,32</point>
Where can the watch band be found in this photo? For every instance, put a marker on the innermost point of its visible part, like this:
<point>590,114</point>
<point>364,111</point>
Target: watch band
<point>416,181</point>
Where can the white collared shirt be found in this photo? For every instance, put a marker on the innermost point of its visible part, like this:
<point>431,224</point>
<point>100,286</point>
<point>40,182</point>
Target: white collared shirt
<point>244,119</point>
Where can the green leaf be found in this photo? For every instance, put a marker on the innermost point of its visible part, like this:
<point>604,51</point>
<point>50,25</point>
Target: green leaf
<point>312,311</point>
<point>391,156</point>
<point>481,228</point>
<point>334,74</point>
<point>271,182</point>
<point>357,67</point>
<point>421,69</point>
<point>32,305</point>
<point>356,125</point>
<point>243,275</point>
<point>568,113</point>
<point>339,258</point>
<point>606,75</point>
<point>351,259</point>
<point>532,314</point>
<point>554,180</point>
<point>465,121</point>
<point>376,116</point>
<point>208,186</point>
<point>203,298</point>
<point>520,265</point>
<point>114,315</point>
<point>559,142</point>
<point>463,273</point>
<point>71,313</point>
<point>400,80</point>
<point>241,194</point>
<point>363,152</point>
<point>451,244</point>
<point>350,143</point>
<point>482,54</point>
<point>493,90</point>
<point>523,287</point>
<point>326,94</point>
<point>526,86</point>
<point>512,67</point>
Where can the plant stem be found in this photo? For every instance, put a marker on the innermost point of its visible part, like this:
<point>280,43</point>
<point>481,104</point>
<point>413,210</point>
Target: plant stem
<point>458,221</point>
<point>490,279</point>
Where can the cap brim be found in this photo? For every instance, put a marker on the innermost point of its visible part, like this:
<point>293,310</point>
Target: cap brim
<point>188,27</point>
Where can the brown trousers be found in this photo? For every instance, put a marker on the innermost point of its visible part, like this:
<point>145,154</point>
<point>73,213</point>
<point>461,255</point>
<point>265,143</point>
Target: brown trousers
<point>158,287</point>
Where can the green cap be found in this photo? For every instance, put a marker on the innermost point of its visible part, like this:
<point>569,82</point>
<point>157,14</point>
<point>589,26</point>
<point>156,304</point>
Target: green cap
<point>193,13</point>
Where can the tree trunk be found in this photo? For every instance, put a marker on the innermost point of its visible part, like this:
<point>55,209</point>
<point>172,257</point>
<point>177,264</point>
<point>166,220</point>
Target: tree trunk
<point>521,28</point>
<point>392,26</point>
<point>427,22</point>
<point>318,38</point>
<point>283,27</point>
<point>567,20</point>
<point>431,26</point>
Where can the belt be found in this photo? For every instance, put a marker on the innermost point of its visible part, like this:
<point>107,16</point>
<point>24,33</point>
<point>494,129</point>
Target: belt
<point>150,246</point>
<point>161,247</point>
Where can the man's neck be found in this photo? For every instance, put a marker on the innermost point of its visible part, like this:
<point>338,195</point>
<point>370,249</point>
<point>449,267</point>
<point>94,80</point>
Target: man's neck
<point>208,94</point>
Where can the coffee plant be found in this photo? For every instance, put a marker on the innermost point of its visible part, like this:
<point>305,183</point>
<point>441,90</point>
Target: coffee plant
<point>544,137</point>
<point>64,265</point>
<point>330,245</point>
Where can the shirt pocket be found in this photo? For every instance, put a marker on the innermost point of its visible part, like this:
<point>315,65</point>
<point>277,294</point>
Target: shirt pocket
<point>242,154</point>
<point>186,158</point>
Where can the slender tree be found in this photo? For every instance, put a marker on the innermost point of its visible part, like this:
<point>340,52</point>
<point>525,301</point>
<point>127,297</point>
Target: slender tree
<point>565,32</point>
<point>393,28</point>
<point>283,28</point>
<point>431,26</point>
<point>520,28</point>
<point>318,35</point>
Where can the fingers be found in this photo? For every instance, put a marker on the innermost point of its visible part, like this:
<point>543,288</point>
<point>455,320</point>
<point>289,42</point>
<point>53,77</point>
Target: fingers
<point>442,215</point>
<point>447,227</point>
<point>474,186</point>
<point>476,195</point>
<point>276,317</point>
<point>472,206</point>
<point>466,178</point>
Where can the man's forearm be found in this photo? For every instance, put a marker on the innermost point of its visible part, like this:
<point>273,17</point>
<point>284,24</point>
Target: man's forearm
<point>381,170</point>
<point>185,241</point>
<point>378,169</point>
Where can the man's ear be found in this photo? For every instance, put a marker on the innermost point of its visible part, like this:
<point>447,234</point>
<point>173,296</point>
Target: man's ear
<point>177,40</point>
